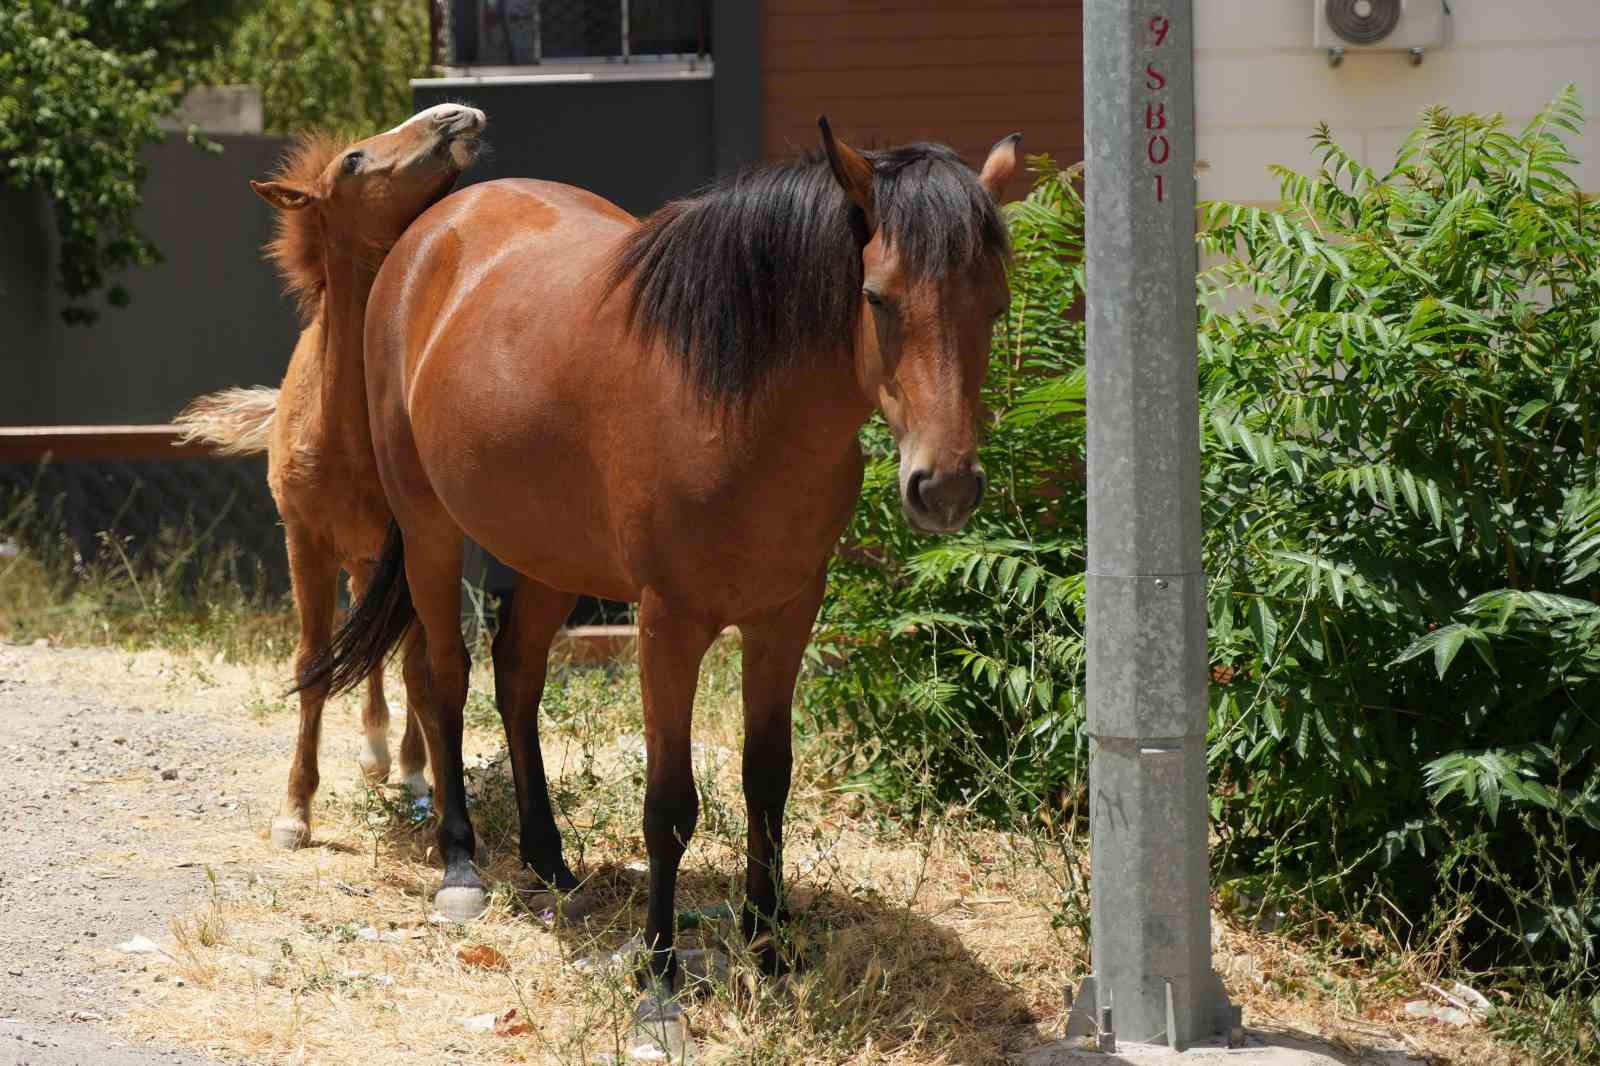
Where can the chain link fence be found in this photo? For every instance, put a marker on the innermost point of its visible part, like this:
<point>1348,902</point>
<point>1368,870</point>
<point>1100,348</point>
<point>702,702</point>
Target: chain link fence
<point>181,512</point>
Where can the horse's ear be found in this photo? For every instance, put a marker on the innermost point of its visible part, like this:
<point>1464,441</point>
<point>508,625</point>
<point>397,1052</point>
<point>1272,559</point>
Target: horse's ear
<point>284,195</point>
<point>852,170</point>
<point>1001,164</point>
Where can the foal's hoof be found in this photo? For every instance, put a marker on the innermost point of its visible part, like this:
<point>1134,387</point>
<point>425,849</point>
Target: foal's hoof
<point>373,772</point>
<point>461,903</point>
<point>290,832</point>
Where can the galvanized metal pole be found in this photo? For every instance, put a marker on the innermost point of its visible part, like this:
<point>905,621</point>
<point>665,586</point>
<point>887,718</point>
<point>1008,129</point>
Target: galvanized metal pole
<point>1150,923</point>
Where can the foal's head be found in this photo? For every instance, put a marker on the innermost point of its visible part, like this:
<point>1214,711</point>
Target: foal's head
<point>363,196</point>
<point>933,271</point>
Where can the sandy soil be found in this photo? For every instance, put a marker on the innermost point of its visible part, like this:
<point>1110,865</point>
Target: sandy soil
<point>115,765</point>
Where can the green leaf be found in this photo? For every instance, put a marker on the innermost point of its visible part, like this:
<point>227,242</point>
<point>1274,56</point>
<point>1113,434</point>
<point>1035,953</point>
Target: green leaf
<point>1264,625</point>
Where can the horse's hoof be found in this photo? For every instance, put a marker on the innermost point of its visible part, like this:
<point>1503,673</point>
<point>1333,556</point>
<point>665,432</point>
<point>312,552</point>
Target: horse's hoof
<point>461,903</point>
<point>659,1030</point>
<point>415,783</point>
<point>373,772</point>
<point>289,832</point>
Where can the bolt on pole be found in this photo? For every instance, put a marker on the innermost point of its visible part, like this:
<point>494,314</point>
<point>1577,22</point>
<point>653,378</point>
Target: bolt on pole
<point>1150,918</point>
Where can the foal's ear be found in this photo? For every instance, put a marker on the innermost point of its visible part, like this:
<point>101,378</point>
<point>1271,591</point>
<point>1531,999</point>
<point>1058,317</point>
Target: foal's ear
<point>1001,164</point>
<point>852,170</point>
<point>284,195</point>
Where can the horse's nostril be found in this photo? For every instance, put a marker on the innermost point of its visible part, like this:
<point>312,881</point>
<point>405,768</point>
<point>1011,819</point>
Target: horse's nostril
<point>915,484</point>
<point>982,480</point>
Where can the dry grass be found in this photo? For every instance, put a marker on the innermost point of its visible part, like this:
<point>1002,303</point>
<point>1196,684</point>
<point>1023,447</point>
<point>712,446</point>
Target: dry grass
<point>929,945</point>
<point>917,947</point>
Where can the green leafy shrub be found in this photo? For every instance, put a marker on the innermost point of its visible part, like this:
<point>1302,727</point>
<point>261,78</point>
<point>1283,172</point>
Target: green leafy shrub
<point>954,664</point>
<point>327,63</point>
<point>1403,526</point>
<point>82,86</point>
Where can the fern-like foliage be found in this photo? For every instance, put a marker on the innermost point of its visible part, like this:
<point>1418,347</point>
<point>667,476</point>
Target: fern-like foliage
<point>957,662</point>
<point>1401,372</point>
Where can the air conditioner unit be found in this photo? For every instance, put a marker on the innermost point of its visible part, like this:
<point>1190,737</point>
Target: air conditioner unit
<point>1412,26</point>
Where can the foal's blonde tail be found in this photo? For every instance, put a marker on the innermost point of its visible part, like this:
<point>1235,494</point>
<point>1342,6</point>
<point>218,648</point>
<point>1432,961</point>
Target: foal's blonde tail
<point>234,421</point>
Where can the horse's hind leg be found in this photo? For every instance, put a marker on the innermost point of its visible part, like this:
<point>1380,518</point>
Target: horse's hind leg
<point>521,658</point>
<point>374,755</point>
<point>314,572</point>
<point>433,571</point>
<point>773,649</point>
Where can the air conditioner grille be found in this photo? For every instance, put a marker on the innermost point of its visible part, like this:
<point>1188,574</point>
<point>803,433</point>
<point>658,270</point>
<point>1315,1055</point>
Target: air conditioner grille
<point>1363,21</point>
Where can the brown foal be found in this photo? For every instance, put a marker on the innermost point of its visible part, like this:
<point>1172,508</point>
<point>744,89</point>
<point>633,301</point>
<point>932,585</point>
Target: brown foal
<point>667,412</point>
<point>341,206</point>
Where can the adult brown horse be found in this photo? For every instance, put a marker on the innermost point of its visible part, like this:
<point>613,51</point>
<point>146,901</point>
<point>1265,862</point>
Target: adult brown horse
<point>668,413</point>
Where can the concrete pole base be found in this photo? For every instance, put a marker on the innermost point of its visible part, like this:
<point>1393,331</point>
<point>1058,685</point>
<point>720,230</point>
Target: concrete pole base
<point>1092,1023</point>
<point>1259,1049</point>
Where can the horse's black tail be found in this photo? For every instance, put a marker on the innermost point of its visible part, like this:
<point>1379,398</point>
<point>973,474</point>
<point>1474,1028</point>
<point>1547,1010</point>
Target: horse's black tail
<point>372,630</point>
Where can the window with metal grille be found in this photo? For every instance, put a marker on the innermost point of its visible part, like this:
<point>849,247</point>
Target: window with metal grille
<point>530,32</point>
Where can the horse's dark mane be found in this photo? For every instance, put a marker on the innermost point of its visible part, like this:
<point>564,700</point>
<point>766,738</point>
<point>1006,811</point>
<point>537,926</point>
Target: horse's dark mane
<point>765,266</point>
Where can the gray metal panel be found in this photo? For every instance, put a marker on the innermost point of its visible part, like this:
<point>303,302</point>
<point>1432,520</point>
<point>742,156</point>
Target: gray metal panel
<point>736,90</point>
<point>1150,921</point>
<point>1142,256</point>
<point>637,143</point>
<point>1146,675</point>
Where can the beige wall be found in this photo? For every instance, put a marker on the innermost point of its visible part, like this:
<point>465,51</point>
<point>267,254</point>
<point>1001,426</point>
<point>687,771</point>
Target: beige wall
<point>1260,85</point>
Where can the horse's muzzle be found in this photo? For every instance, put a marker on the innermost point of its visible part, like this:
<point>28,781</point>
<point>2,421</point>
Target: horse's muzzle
<point>941,502</point>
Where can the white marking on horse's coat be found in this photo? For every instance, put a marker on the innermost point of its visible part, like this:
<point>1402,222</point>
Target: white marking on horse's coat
<point>437,110</point>
<point>416,784</point>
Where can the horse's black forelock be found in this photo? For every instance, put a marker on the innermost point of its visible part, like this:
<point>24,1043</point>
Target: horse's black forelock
<point>764,267</point>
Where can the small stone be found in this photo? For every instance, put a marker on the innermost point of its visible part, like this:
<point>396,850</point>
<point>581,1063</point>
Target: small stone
<point>119,740</point>
<point>141,945</point>
<point>169,774</point>
<point>479,1023</point>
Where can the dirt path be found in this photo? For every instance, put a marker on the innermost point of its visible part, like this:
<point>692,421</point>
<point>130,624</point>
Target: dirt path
<point>114,764</point>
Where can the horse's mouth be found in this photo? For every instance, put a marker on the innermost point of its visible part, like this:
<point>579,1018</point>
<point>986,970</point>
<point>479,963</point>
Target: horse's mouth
<point>461,149</point>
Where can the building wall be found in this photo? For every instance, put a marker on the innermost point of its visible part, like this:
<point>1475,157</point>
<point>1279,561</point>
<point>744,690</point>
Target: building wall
<point>638,143</point>
<point>1260,85</point>
<point>965,72</point>
<point>209,316</point>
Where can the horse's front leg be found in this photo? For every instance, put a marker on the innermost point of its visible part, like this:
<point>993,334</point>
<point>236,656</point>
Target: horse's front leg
<point>672,641</point>
<point>521,660</point>
<point>773,650</point>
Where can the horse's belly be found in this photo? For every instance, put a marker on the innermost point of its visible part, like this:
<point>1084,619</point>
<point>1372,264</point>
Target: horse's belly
<point>538,507</point>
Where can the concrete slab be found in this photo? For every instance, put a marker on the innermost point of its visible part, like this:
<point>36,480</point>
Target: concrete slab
<point>1260,1049</point>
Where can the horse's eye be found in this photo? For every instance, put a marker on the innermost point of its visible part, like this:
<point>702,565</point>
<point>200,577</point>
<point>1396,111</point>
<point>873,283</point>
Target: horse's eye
<point>872,298</point>
<point>352,162</point>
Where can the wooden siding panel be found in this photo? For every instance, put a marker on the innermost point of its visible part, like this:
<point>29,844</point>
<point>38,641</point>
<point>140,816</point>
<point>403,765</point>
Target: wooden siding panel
<point>965,72</point>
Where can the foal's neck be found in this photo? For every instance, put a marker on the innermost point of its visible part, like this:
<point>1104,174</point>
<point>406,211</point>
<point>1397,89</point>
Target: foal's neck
<point>344,312</point>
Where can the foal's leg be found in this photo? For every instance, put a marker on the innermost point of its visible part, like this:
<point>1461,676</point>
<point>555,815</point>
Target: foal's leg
<point>671,644</point>
<point>521,657</point>
<point>314,573</point>
<point>773,649</point>
<point>413,749</point>
<point>374,755</point>
<point>433,570</point>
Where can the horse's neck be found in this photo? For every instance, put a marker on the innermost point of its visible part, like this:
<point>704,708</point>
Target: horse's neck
<point>805,417</point>
<point>344,311</point>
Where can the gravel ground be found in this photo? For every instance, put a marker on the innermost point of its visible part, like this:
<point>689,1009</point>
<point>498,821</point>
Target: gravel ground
<point>117,764</point>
